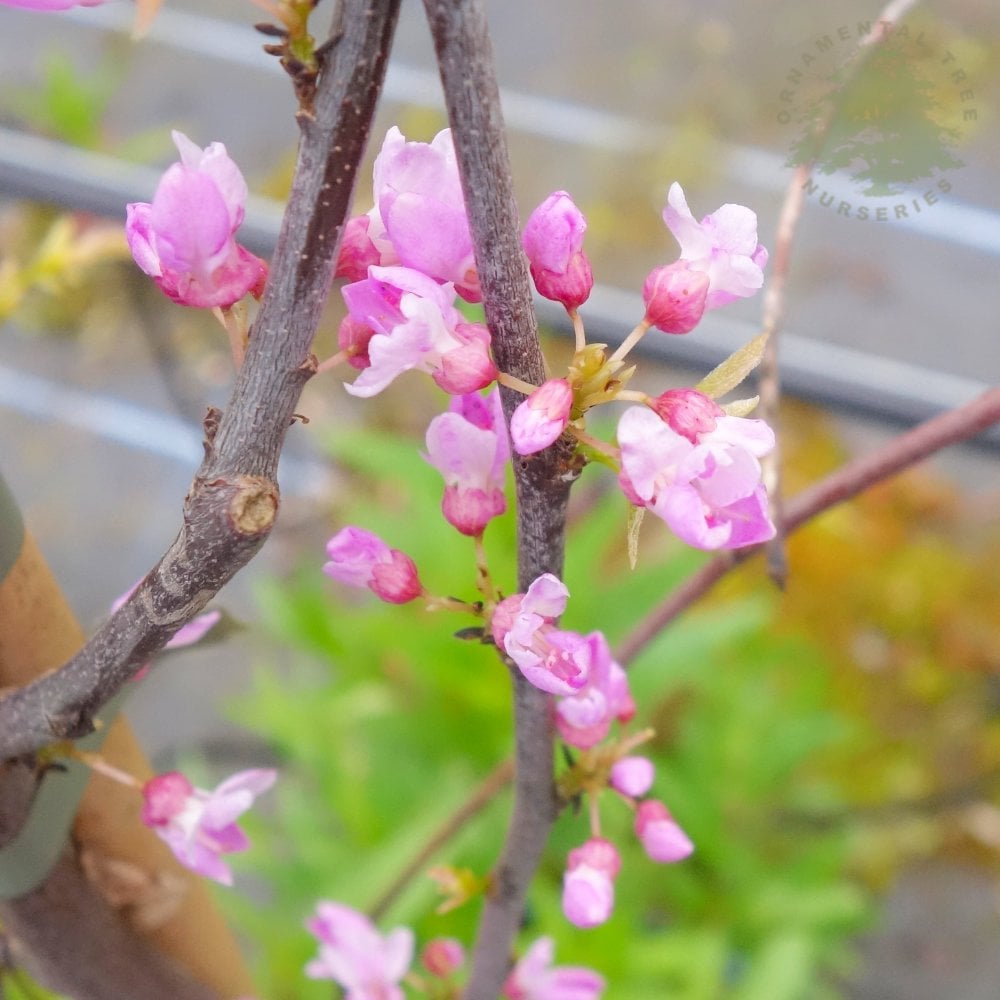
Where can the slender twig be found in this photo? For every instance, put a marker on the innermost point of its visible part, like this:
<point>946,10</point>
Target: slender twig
<point>232,504</point>
<point>491,786</point>
<point>774,295</point>
<point>465,59</point>
<point>900,453</point>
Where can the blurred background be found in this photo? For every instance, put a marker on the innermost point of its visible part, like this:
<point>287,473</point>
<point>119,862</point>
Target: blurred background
<point>834,751</point>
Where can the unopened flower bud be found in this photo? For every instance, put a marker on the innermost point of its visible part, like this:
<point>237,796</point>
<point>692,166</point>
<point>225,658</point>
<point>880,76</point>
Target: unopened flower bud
<point>357,252</point>
<point>588,886</point>
<point>632,776</point>
<point>661,837</point>
<point>542,417</point>
<point>553,242</point>
<point>675,297</point>
<point>688,412</point>
<point>361,559</point>
<point>443,956</point>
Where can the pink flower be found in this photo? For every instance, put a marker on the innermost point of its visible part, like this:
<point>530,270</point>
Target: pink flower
<point>533,978</point>
<point>468,446</point>
<point>542,417</point>
<point>689,412</point>
<point>584,717</point>
<point>675,297</point>
<point>353,953</point>
<point>554,661</point>
<point>198,826</point>
<point>588,885</point>
<point>419,217</point>
<point>184,238</point>
<point>354,338</point>
<point>632,776</point>
<point>553,241</point>
<point>361,559</point>
<point>357,252</point>
<point>661,837</point>
<point>723,245</point>
<point>416,326</point>
<point>709,492</point>
<point>443,956</point>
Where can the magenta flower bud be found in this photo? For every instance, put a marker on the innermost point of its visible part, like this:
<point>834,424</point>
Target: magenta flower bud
<point>443,956</point>
<point>467,367</point>
<point>588,885</point>
<point>688,412</point>
<point>361,559</point>
<point>632,776</point>
<point>354,337</point>
<point>357,252</point>
<point>659,833</point>
<point>675,297</point>
<point>164,797</point>
<point>542,417</point>
<point>553,242</point>
<point>184,238</point>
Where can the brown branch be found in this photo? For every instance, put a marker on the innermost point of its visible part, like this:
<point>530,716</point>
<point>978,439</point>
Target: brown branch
<point>465,59</point>
<point>774,296</point>
<point>900,453</point>
<point>231,506</point>
<point>497,780</point>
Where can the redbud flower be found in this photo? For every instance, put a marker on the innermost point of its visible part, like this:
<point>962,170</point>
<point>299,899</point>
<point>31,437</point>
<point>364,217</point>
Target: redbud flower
<point>689,412</point>
<point>368,965</point>
<point>723,245</point>
<point>361,559</point>
<point>419,218</point>
<point>443,956</point>
<point>198,826</point>
<point>184,238</point>
<point>357,252</point>
<point>468,446</point>
<point>542,417</point>
<point>584,717</point>
<point>588,885</point>
<point>632,776</point>
<point>710,492</point>
<point>534,978</point>
<point>659,833</point>
<point>675,297</point>
<point>416,326</point>
<point>354,337</point>
<point>554,661</point>
<point>553,241</point>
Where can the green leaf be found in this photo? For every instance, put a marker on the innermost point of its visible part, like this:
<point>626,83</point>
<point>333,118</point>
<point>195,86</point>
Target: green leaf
<point>734,369</point>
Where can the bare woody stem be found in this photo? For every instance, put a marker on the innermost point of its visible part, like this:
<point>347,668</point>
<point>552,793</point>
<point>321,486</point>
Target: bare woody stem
<point>465,60</point>
<point>233,501</point>
<point>900,453</point>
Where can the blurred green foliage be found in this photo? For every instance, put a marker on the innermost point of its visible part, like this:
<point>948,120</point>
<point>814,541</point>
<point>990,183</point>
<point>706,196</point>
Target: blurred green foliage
<point>774,734</point>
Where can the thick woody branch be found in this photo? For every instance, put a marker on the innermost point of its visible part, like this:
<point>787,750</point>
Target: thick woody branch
<point>233,501</point>
<point>465,59</point>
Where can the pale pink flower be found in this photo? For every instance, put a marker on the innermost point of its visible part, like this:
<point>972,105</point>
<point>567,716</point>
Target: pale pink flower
<point>50,4</point>
<point>661,837</point>
<point>542,417</point>
<point>198,826</point>
<point>443,956</point>
<point>710,492</point>
<point>468,446</point>
<point>368,965</point>
<point>184,238</point>
<point>416,326</point>
<point>534,978</point>
<point>584,717</point>
<point>675,297</point>
<point>689,412</point>
<point>723,245</point>
<point>419,217</point>
<point>588,885</point>
<point>360,558</point>
<point>632,776</point>
<point>555,661</point>
<point>553,242</point>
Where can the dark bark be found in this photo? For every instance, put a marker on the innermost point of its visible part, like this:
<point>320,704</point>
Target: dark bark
<point>233,501</point>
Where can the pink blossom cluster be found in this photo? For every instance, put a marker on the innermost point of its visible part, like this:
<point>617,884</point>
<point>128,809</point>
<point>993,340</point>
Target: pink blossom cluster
<point>370,966</point>
<point>200,826</point>
<point>406,260</point>
<point>185,238</point>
